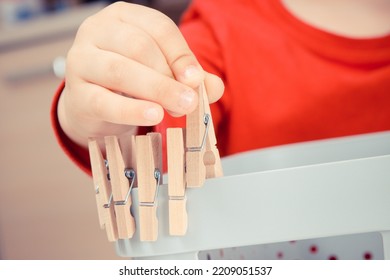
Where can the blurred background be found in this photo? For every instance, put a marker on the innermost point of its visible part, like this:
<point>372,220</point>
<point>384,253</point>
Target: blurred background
<point>47,205</point>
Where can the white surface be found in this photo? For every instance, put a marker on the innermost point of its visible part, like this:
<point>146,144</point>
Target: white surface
<point>288,201</point>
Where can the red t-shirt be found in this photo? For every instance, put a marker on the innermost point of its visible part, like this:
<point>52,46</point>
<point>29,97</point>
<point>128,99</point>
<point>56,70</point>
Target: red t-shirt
<point>285,81</point>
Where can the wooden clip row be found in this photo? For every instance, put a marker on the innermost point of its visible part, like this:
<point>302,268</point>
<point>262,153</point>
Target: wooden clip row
<point>149,168</point>
<point>188,166</point>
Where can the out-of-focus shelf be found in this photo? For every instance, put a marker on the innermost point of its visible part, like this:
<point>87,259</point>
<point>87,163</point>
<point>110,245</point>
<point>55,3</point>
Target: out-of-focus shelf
<point>45,28</point>
<point>47,206</point>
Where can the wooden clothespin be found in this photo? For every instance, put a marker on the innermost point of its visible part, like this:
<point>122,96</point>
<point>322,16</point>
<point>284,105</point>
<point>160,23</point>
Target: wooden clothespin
<point>122,179</point>
<point>103,190</point>
<point>202,156</point>
<point>178,220</point>
<point>149,168</point>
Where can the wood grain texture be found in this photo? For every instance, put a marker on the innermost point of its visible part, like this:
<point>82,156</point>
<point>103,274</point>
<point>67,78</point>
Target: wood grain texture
<point>103,191</point>
<point>149,158</point>
<point>205,163</point>
<point>120,187</point>
<point>178,219</point>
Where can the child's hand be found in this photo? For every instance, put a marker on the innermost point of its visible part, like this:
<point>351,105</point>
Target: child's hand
<point>126,65</point>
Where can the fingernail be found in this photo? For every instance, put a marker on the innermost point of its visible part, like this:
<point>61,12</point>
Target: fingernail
<point>151,114</point>
<point>191,72</point>
<point>186,99</point>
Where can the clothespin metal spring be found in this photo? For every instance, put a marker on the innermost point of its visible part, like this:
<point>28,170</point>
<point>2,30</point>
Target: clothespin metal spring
<point>206,121</point>
<point>157,176</point>
<point>129,174</point>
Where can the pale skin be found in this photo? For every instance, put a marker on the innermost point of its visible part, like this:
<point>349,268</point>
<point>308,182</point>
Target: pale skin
<point>127,65</point>
<point>130,64</point>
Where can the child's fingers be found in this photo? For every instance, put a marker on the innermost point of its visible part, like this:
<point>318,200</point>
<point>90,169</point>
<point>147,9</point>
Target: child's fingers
<point>214,87</point>
<point>168,37</point>
<point>127,40</point>
<point>115,108</point>
<point>136,80</point>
